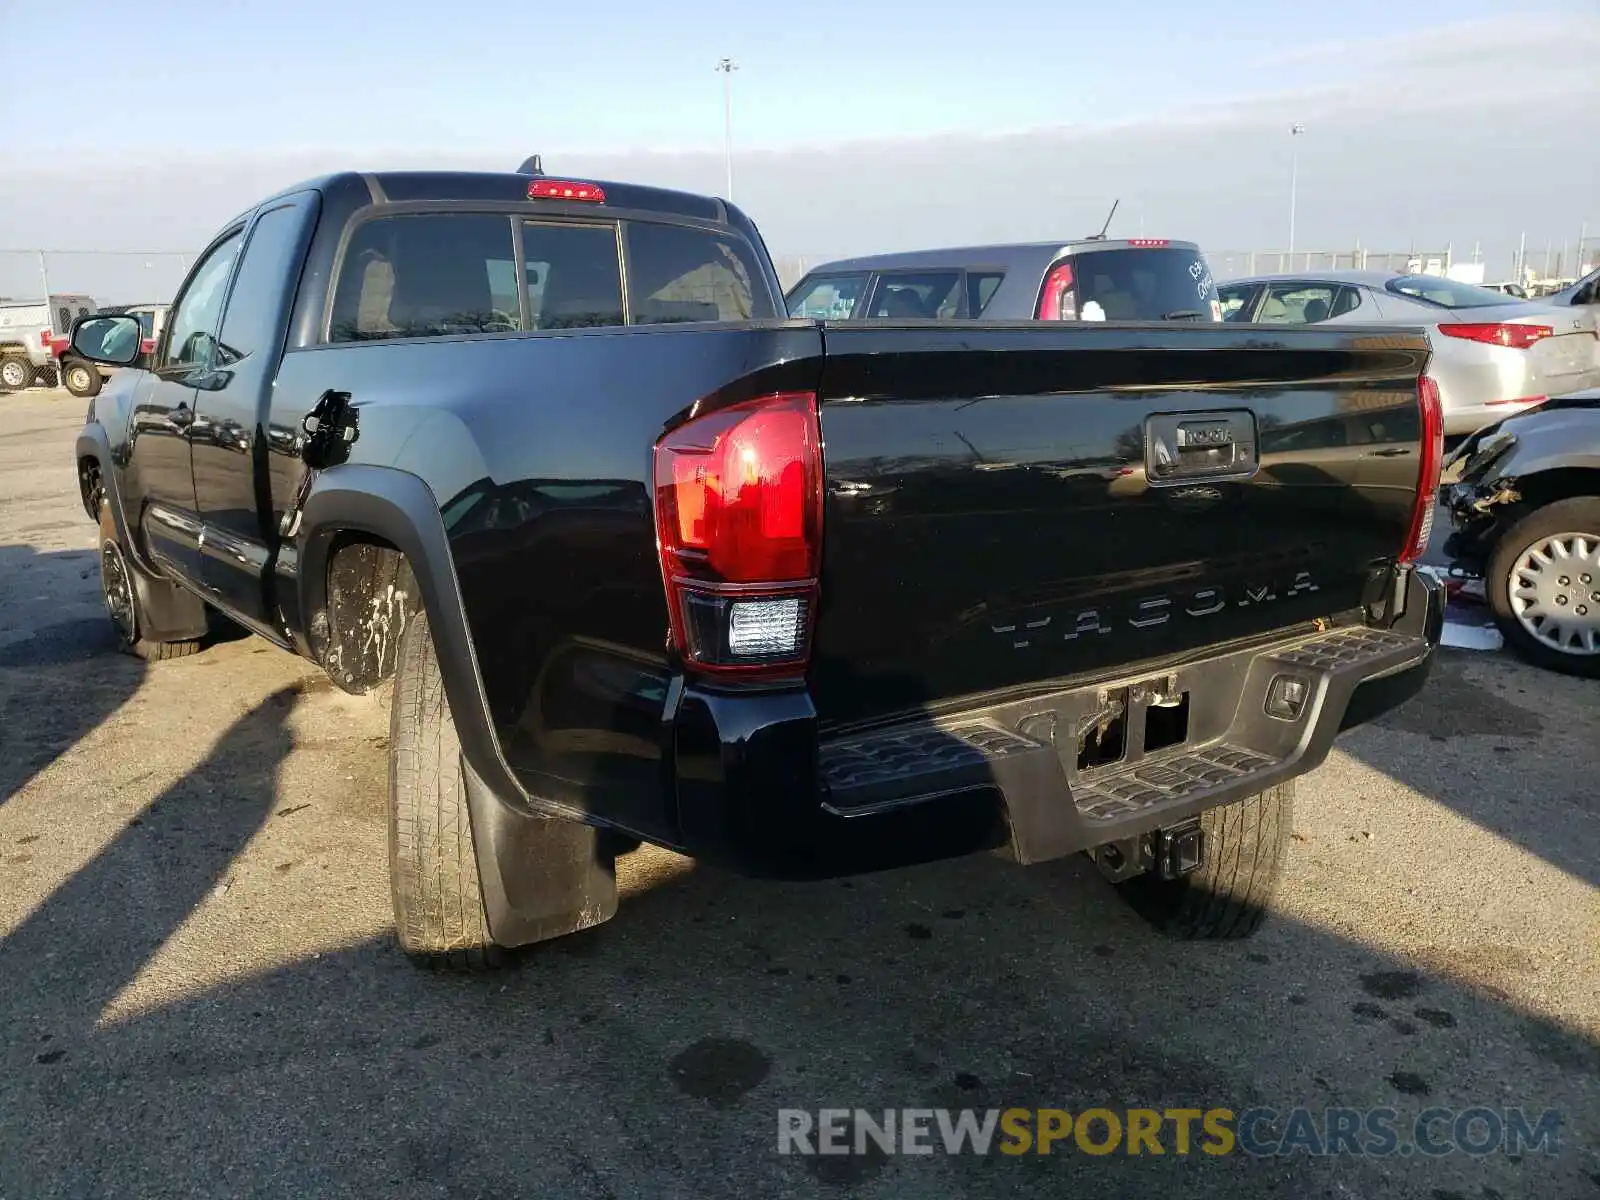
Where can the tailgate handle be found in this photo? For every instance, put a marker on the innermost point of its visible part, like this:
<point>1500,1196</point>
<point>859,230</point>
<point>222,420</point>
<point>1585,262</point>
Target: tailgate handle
<point>1179,447</point>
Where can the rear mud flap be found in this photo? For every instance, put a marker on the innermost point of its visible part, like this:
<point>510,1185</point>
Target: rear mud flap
<point>542,876</point>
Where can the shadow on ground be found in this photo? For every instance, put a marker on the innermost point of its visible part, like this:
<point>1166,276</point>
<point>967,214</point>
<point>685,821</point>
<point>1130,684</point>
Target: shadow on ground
<point>1483,707</point>
<point>648,1057</point>
<point>55,625</point>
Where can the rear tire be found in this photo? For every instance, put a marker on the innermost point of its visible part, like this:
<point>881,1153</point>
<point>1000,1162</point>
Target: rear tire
<point>1579,515</point>
<point>121,597</point>
<point>16,372</point>
<point>80,378</point>
<point>433,866</point>
<point>1227,897</point>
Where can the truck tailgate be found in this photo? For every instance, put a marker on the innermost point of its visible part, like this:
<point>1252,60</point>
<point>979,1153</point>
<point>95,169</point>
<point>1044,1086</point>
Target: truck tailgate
<point>1009,506</point>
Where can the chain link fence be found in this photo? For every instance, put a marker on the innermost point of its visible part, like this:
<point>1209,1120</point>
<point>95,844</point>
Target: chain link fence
<point>108,276</point>
<point>1233,264</point>
<point>153,276</point>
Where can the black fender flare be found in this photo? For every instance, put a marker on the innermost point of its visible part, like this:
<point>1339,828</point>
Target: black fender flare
<point>400,508</point>
<point>170,612</point>
<point>541,863</point>
<point>93,443</point>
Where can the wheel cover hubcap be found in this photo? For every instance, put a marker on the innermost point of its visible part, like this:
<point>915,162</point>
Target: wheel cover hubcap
<point>78,377</point>
<point>118,590</point>
<point>12,374</point>
<point>1555,592</point>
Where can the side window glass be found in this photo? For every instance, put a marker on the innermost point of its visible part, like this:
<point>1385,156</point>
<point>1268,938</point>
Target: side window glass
<point>1348,301</point>
<point>981,287</point>
<point>830,298</point>
<point>680,274</point>
<point>194,320</point>
<point>1235,302</point>
<point>1297,304</point>
<point>574,281</point>
<point>427,275</point>
<point>924,294</point>
<point>251,321</point>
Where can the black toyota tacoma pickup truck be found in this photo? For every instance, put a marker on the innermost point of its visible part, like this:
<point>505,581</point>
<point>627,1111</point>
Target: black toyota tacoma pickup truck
<point>641,559</point>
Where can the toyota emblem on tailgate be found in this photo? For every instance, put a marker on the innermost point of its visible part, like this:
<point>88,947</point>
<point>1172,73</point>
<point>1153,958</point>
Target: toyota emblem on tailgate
<point>1205,435</point>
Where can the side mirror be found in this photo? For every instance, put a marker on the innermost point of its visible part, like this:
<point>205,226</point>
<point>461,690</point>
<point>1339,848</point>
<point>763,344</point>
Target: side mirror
<point>114,341</point>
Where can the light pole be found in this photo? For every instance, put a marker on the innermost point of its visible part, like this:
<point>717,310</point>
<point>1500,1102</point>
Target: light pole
<point>727,66</point>
<point>1294,179</point>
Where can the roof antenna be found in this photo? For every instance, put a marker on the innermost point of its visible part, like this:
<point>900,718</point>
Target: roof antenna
<point>532,166</point>
<point>1101,236</point>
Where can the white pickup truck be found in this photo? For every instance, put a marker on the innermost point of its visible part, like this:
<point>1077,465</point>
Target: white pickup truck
<point>29,331</point>
<point>83,378</point>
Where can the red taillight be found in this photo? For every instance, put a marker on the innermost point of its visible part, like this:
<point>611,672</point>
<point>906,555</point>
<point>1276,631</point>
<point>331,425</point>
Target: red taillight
<point>739,530</point>
<point>565,189</point>
<point>1057,302</point>
<point>1147,242</point>
<point>44,337</point>
<point>1432,461</point>
<point>1516,337</point>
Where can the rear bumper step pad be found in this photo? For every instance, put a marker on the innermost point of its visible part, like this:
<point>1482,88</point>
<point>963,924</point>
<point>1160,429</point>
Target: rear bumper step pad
<point>1234,748</point>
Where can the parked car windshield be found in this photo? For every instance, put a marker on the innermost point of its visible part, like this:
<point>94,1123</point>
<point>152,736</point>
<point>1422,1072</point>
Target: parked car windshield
<point>1446,293</point>
<point>1143,284</point>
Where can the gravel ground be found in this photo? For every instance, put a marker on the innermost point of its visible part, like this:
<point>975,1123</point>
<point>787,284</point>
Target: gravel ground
<point>199,992</point>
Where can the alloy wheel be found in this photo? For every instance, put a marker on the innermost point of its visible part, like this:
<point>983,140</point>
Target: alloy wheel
<point>118,590</point>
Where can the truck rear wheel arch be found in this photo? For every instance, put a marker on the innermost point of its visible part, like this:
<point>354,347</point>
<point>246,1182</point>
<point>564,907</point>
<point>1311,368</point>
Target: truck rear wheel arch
<point>364,526</point>
<point>381,519</point>
<point>372,596</point>
<point>91,483</point>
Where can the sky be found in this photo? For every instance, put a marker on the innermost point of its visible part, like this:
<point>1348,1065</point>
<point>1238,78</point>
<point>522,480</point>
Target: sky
<point>857,126</point>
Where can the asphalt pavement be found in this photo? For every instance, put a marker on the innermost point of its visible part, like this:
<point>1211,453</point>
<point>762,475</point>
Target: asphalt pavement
<point>200,994</point>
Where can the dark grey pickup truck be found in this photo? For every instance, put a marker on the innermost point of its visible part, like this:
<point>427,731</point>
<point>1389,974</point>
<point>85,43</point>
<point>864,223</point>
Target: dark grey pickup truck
<point>646,560</point>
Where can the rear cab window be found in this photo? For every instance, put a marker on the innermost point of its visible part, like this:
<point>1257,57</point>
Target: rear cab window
<point>678,273</point>
<point>1144,283</point>
<point>449,274</point>
<point>827,297</point>
<point>574,275</point>
<point>427,275</point>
